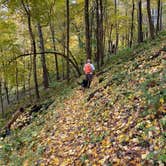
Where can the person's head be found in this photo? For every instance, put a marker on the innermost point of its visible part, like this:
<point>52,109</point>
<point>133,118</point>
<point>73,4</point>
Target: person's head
<point>88,61</point>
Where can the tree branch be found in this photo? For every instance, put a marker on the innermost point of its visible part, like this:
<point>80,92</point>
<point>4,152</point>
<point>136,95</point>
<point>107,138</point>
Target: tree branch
<point>49,52</point>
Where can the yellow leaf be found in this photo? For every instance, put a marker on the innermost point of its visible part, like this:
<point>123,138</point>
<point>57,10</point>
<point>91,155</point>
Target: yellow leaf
<point>161,100</point>
<point>144,155</point>
<point>65,163</point>
<point>55,161</point>
<point>123,137</point>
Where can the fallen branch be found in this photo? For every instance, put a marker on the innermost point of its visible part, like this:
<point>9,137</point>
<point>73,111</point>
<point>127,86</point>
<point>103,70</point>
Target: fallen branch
<point>6,129</point>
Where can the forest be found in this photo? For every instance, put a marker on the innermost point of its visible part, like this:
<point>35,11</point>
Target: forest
<point>44,45</point>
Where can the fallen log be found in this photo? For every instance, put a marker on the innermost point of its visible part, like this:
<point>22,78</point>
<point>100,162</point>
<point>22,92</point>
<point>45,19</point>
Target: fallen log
<point>14,118</point>
<point>6,129</point>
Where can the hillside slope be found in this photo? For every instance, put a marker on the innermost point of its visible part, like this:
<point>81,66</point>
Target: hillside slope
<point>119,121</point>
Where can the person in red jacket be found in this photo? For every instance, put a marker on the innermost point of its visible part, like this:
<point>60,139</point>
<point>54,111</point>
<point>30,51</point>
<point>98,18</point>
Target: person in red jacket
<point>88,70</point>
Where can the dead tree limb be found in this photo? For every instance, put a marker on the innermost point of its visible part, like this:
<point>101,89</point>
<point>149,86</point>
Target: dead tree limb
<point>50,52</point>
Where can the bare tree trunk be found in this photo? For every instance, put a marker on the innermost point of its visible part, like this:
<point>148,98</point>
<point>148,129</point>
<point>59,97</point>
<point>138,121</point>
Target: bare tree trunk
<point>91,29</point>
<point>7,92</point>
<point>158,16</point>
<point>110,41</point>
<point>98,35</point>
<point>24,81</point>
<point>116,27</point>
<point>68,38</point>
<point>140,32</point>
<point>43,59</point>
<point>17,91</point>
<point>161,17</point>
<point>56,58</point>
<point>33,44</point>
<point>29,76</point>
<point>132,24</point>
<point>87,31</point>
<point>64,52</point>
<point>101,14</point>
<point>151,25</point>
<point>1,99</point>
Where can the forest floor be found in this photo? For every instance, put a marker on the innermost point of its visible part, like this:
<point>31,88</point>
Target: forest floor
<point>120,120</point>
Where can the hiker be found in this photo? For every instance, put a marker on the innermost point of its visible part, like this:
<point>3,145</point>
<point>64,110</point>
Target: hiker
<point>89,70</point>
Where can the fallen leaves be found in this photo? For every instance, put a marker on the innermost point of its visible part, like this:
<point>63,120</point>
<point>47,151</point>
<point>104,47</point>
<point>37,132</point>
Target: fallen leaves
<point>123,122</point>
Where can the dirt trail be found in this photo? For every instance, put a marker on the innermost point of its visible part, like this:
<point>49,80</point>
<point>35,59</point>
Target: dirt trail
<point>65,144</point>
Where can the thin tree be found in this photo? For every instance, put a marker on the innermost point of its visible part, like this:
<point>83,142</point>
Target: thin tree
<point>158,15</point>
<point>151,25</point>
<point>161,16</point>
<point>68,37</point>
<point>33,46</point>
<point>101,14</point>
<point>43,59</point>
<point>132,23</point>
<point>1,100</point>
<point>98,35</point>
<point>87,30</point>
<point>116,26</point>
<point>140,32</point>
<point>7,92</point>
<point>54,47</point>
<point>17,91</point>
<point>51,15</point>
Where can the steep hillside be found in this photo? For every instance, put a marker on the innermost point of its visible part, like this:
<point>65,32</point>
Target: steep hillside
<point>120,120</point>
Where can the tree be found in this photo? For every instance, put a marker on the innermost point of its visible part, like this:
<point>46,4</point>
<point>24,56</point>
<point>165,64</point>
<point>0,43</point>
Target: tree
<point>151,25</point>
<point>101,29</point>
<point>140,32</point>
<point>33,45</point>
<point>1,99</point>
<point>98,56</point>
<point>132,23</point>
<point>68,37</point>
<point>87,31</point>
<point>54,47</point>
<point>116,26</point>
<point>43,60</point>
<point>158,15</point>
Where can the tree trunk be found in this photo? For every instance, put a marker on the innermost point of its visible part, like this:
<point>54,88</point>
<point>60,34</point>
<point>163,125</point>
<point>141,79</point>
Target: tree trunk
<point>87,31</point>
<point>158,16</point>
<point>1,100</point>
<point>132,24</point>
<point>33,45</point>
<point>151,25</point>
<point>110,43</point>
<point>35,71</point>
<point>140,32</point>
<point>101,32</point>
<point>17,91</point>
<point>116,27</point>
<point>91,29</point>
<point>23,76</point>
<point>29,76</point>
<point>98,35</point>
<point>68,36</point>
<point>43,59</point>
<point>56,58</point>
<point>7,92</point>
<point>161,16</point>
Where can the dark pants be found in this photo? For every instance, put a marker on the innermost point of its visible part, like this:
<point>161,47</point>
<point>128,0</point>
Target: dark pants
<point>89,79</point>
